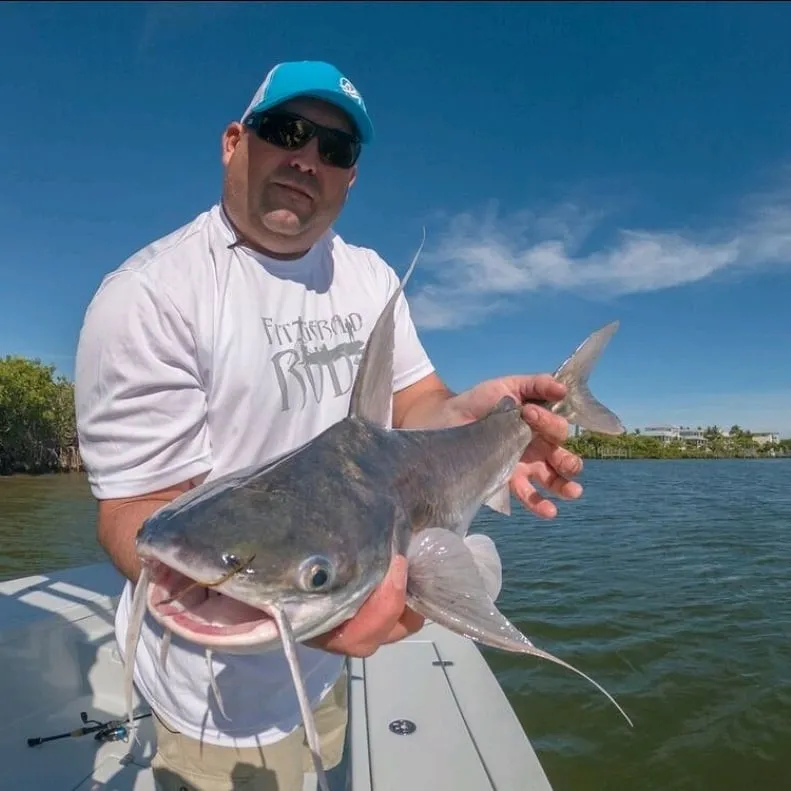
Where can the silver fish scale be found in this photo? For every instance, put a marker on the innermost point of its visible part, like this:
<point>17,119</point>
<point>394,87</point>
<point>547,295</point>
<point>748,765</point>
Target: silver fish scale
<point>447,474</point>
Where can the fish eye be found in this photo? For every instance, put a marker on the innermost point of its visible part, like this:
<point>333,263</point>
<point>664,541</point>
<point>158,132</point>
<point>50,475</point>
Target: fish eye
<point>315,574</point>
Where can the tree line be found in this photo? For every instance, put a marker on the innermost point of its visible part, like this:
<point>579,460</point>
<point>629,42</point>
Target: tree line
<point>38,426</point>
<point>737,443</point>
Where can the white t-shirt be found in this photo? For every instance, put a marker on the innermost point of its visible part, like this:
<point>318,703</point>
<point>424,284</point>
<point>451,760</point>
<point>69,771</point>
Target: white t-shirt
<point>198,357</point>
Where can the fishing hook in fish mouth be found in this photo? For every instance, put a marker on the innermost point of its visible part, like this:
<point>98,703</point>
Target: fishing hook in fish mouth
<point>196,584</point>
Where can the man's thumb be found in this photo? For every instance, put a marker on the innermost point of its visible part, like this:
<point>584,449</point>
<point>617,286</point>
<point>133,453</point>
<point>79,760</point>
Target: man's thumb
<point>397,574</point>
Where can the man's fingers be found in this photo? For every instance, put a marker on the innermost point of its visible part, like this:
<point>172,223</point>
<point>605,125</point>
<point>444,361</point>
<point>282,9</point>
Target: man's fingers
<point>381,611</point>
<point>412,621</point>
<point>531,499</point>
<point>549,480</point>
<point>563,461</point>
<point>392,591</point>
<point>409,623</point>
<point>527,473</point>
<point>553,428</point>
<point>540,387</point>
<point>566,490</point>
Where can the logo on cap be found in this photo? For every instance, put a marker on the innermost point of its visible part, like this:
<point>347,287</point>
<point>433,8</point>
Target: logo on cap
<point>350,90</point>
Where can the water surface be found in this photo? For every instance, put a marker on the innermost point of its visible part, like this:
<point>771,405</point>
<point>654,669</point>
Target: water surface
<point>47,522</point>
<point>669,583</point>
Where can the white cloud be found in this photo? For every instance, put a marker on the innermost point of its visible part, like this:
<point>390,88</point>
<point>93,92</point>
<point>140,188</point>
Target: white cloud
<point>482,260</point>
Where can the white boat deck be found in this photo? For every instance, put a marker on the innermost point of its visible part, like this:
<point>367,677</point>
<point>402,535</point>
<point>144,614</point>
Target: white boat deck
<point>58,657</point>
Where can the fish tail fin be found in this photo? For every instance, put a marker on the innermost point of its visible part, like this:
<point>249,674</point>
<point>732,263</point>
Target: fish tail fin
<point>580,406</point>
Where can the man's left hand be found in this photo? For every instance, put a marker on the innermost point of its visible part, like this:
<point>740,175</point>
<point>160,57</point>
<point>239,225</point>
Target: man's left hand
<point>544,462</point>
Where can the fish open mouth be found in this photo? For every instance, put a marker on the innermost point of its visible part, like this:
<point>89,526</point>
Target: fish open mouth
<point>202,614</point>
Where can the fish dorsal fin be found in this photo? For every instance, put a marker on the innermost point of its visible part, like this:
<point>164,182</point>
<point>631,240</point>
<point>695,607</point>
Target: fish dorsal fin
<point>372,395</point>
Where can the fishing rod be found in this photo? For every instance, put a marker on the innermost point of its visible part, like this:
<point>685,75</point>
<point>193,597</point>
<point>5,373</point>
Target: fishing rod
<point>109,731</point>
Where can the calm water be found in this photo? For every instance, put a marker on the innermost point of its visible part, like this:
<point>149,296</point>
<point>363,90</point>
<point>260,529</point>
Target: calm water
<point>670,583</point>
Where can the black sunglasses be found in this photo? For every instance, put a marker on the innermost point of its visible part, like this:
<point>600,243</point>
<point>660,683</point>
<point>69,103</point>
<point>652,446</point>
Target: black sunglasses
<point>291,132</point>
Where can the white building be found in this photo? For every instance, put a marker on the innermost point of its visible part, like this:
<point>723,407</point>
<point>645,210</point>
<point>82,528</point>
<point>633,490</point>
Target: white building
<point>667,434</point>
<point>766,437</point>
<point>696,437</point>
<point>692,436</point>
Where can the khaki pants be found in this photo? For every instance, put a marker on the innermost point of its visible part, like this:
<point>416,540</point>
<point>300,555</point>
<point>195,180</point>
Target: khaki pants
<point>184,764</point>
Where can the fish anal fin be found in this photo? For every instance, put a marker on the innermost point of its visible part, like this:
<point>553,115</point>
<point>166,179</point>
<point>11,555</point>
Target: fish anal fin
<point>501,500</point>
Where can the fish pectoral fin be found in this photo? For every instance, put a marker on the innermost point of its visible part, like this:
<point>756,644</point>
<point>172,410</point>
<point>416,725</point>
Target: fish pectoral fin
<point>372,394</point>
<point>445,584</point>
<point>501,500</point>
<point>487,561</point>
<point>453,581</point>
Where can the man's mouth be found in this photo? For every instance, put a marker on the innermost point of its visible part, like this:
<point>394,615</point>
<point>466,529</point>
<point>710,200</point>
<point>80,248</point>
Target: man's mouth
<point>296,189</point>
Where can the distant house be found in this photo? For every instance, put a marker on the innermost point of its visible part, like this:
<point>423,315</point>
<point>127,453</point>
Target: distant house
<point>668,434</point>
<point>665,434</point>
<point>692,436</point>
<point>766,437</point>
<point>695,437</point>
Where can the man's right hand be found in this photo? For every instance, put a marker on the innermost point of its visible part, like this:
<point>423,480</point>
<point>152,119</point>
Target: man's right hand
<point>384,618</point>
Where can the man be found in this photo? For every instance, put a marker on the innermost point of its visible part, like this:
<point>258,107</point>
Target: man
<point>231,340</point>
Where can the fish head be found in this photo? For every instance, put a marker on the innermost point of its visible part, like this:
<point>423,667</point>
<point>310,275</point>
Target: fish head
<point>223,561</point>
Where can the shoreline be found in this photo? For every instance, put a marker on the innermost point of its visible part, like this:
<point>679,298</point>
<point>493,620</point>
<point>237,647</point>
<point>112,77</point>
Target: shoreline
<point>585,457</point>
<point>615,457</point>
<point>40,473</point>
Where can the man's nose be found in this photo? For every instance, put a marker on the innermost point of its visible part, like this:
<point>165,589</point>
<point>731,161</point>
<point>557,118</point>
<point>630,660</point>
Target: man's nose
<point>306,159</point>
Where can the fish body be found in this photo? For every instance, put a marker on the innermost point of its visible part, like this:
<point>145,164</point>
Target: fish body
<point>285,551</point>
<point>316,530</point>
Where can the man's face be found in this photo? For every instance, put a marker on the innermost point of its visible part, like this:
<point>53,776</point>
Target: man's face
<point>283,201</point>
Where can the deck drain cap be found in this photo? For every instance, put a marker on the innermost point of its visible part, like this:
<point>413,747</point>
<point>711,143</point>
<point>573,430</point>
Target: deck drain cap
<point>402,727</point>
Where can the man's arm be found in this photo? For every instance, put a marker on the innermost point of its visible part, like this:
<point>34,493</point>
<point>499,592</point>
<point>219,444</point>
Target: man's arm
<point>120,520</point>
<point>420,404</point>
<point>140,407</point>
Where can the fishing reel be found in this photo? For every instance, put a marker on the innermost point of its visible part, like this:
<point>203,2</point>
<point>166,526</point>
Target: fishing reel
<point>112,731</point>
<point>109,731</point>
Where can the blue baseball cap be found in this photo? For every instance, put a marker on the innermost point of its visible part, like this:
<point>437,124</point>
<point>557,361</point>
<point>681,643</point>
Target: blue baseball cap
<point>315,79</point>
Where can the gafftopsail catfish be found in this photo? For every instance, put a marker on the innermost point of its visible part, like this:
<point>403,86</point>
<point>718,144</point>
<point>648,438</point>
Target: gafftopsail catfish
<point>291,548</point>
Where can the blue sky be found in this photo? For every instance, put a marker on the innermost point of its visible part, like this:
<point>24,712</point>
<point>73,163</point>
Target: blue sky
<point>572,163</point>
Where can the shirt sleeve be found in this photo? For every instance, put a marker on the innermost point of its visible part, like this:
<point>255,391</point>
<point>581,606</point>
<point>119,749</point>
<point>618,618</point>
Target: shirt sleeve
<point>411,362</point>
<point>140,402</point>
